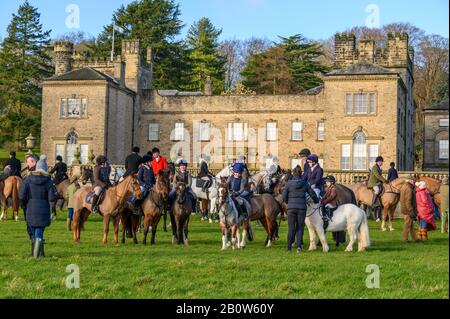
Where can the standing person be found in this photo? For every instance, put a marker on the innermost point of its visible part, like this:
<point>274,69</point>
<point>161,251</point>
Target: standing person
<point>60,169</point>
<point>159,162</point>
<point>315,174</point>
<point>392,172</point>
<point>204,174</point>
<point>375,183</point>
<point>304,153</point>
<point>36,194</point>
<point>132,162</point>
<point>31,162</point>
<point>425,210</point>
<point>14,165</point>
<point>71,189</point>
<point>294,195</point>
<point>444,205</point>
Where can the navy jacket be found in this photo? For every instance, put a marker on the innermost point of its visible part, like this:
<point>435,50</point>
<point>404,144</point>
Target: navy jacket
<point>132,163</point>
<point>294,194</point>
<point>15,165</point>
<point>238,185</point>
<point>315,177</point>
<point>392,174</point>
<point>36,194</point>
<point>146,177</point>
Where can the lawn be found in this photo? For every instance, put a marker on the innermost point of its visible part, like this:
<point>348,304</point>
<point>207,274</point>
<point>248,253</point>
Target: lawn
<point>202,270</point>
<point>4,155</point>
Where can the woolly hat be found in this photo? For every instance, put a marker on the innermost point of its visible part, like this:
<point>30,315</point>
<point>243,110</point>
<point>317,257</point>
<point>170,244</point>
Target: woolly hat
<point>42,165</point>
<point>421,184</point>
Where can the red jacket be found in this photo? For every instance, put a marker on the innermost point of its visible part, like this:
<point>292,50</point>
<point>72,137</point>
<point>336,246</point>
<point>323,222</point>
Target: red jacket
<point>159,166</point>
<point>425,209</point>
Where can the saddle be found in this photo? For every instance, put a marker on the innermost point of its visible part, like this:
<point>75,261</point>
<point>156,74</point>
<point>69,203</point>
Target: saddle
<point>90,197</point>
<point>200,183</point>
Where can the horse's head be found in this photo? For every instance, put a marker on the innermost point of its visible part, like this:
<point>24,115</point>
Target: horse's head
<point>134,187</point>
<point>181,192</point>
<point>222,191</point>
<point>87,176</point>
<point>161,186</point>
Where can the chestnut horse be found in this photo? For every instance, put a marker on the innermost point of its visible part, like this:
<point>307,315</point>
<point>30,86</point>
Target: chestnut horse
<point>61,188</point>
<point>179,216</point>
<point>433,186</point>
<point>154,204</point>
<point>10,190</point>
<point>115,198</point>
<point>389,198</point>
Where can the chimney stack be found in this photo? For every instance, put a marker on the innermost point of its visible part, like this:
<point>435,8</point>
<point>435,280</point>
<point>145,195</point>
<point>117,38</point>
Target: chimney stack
<point>119,72</point>
<point>62,58</point>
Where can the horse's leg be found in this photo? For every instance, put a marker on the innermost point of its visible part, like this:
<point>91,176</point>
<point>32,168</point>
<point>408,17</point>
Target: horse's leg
<point>323,239</point>
<point>116,229</point>
<point>242,243</point>
<point>238,239</point>
<point>383,222</point>
<point>154,227</point>
<point>270,229</point>
<point>186,230</point>
<point>76,226</point>
<point>224,236</point>
<point>180,222</point>
<point>351,229</point>
<point>165,220</point>
<point>174,229</point>
<point>146,227</point>
<point>391,218</point>
<point>123,230</point>
<point>134,226</point>
<point>4,212</point>
<point>105,228</point>
<point>264,223</point>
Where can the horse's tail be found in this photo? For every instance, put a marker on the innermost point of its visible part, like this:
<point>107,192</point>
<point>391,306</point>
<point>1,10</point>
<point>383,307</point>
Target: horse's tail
<point>364,238</point>
<point>353,197</point>
<point>15,195</point>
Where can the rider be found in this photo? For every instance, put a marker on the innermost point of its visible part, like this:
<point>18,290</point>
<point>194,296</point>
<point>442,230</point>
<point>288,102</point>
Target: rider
<point>272,169</point>
<point>146,180</point>
<point>328,201</point>
<point>182,176</point>
<point>61,171</point>
<point>376,181</point>
<point>159,163</point>
<point>239,188</point>
<point>315,174</point>
<point>304,153</point>
<point>101,180</point>
<point>14,165</point>
<point>132,162</point>
<point>205,175</point>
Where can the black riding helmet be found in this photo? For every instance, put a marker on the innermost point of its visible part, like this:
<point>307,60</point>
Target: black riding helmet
<point>305,152</point>
<point>379,159</point>
<point>330,178</point>
<point>59,158</point>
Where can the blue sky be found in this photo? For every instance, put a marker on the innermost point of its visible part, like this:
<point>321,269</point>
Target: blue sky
<point>317,19</point>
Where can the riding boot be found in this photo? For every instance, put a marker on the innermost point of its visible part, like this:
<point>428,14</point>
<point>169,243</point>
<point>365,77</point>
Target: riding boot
<point>374,201</point>
<point>325,217</point>
<point>33,241</point>
<point>38,251</point>
<point>94,204</point>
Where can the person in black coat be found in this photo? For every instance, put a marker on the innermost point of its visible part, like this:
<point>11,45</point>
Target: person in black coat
<point>392,173</point>
<point>315,174</point>
<point>132,162</point>
<point>294,195</point>
<point>14,164</point>
<point>60,169</point>
<point>304,153</point>
<point>146,179</point>
<point>36,194</point>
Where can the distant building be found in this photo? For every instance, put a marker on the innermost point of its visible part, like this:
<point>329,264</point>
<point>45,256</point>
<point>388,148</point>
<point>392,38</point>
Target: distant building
<point>435,147</point>
<point>365,108</point>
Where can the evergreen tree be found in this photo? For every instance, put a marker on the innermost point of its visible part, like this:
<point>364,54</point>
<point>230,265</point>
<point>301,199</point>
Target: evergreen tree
<point>290,66</point>
<point>203,42</point>
<point>155,23</point>
<point>24,63</point>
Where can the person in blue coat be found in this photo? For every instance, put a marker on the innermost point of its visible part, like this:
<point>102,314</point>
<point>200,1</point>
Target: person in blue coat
<point>146,179</point>
<point>36,194</point>
<point>294,195</point>
<point>315,174</point>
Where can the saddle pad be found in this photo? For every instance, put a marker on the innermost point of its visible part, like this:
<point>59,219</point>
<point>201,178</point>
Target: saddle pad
<point>89,197</point>
<point>199,183</point>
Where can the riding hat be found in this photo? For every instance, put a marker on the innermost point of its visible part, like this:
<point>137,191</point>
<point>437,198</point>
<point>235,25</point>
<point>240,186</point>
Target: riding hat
<point>59,158</point>
<point>379,159</point>
<point>182,162</point>
<point>330,178</point>
<point>238,168</point>
<point>155,150</point>
<point>304,152</point>
<point>146,158</point>
<point>12,153</point>
<point>100,160</point>
<point>313,158</point>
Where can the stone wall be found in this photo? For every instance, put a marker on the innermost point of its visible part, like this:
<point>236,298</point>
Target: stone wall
<point>434,133</point>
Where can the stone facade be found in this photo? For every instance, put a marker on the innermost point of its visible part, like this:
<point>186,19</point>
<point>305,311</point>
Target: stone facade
<point>364,108</point>
<point>436,121</point>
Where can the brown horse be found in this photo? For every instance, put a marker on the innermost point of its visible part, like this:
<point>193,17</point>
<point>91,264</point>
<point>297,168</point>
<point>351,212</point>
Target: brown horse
<point>61,188</point>
<point>408,207</point>
<point>153,206</point>
<point>114,200</point>
<point>433,186</point>
<point>130,223</point>
<point>389,198</point>
<point>179,215</point>
<point>10,190</point>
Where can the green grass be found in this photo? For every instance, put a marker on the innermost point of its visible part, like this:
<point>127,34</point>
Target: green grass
<point>202,270</point>
<point>20,155</point>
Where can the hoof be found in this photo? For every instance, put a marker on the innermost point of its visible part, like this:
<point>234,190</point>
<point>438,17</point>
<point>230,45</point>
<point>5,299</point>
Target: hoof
<point>361,250</point>
<point>391,229</point>
<point>210,221</point>
<point>383,229</point>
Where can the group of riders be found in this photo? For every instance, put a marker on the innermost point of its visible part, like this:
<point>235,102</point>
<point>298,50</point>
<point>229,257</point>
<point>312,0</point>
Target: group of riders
<point>239,182</point>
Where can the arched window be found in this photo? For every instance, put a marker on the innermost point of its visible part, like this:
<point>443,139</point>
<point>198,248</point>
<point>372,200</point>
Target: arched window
<point>359,151</point>
<point>71,144</point>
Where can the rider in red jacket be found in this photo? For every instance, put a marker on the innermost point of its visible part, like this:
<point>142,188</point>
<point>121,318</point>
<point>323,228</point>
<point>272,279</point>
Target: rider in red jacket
<point>159,163</point>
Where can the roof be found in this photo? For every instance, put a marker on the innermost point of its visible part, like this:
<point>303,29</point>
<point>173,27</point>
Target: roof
<point>178,93</point>
<point>362,68</point>
<point>84,74</point>
<point>443,105</point>
<point>313,91</point>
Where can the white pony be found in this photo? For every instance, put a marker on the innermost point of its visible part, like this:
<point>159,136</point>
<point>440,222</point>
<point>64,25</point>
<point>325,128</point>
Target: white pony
<point>347,217</point>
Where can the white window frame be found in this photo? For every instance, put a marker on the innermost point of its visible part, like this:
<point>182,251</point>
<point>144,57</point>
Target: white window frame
<point>204,131</point>
<point>153,131</point>
<point>359,151</point>
<point>298,130</point>
<point>79,102</point>
<point>321,131</point>
<point>443,122</point>
<point>271,131</point>
<point>443,149</point>
<point>372,157</point>
<point>178,132</point>
<point>233,128</point>
<point>84,153</point>
<point>346,165</point>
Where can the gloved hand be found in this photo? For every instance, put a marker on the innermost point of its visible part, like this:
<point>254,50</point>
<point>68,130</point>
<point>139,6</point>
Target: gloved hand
<point>235,194</point>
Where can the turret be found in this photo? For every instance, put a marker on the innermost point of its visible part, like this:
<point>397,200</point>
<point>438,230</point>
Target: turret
<point>345,45</point>
<point>63,51</point>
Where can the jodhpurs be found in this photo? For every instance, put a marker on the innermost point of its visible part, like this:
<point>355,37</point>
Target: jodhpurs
<point>98,190</point>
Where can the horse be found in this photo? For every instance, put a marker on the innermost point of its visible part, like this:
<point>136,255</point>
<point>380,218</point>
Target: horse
<point>87,176</point>
<point>230,220</point>
<point>433,186</point>
<point>179,215</point>
<point>61,199</point>
<point>205,198</point>
<point>389,198</point>
<point>170,172</point>
<point>129,223</point>
<point>10,190</point>
<point>115,198</point>
<point>154,204</point>
<point>346,217</point>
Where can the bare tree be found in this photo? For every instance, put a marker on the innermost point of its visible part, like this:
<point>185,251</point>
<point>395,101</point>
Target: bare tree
<point>77,37</point>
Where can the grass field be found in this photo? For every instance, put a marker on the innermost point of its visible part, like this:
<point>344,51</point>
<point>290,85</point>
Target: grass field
<point>202,270</point>
<point>4,155</point>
